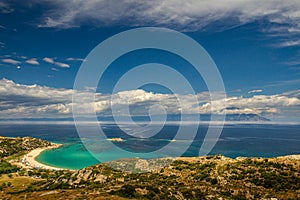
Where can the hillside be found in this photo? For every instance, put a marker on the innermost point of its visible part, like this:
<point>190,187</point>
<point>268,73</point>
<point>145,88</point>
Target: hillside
<point>209,177</point>
<point>18,146</point>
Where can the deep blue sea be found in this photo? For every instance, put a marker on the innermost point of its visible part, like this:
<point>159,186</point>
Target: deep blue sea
<point>249,140</point>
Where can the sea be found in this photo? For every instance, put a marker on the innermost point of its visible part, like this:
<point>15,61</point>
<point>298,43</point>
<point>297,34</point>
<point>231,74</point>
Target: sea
<point>77,152</point>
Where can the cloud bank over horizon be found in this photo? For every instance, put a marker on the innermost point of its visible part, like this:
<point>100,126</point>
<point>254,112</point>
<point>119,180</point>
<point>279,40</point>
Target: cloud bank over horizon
<point>34,101</point>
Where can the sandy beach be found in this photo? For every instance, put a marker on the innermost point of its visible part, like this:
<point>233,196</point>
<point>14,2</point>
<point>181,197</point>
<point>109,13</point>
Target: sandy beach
<point>29,160</point>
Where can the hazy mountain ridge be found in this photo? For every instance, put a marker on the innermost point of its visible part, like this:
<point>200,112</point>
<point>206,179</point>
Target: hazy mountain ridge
<point>173,117</point>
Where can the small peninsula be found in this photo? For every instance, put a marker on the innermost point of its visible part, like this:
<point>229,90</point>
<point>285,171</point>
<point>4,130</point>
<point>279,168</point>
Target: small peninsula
<point>116,139</point>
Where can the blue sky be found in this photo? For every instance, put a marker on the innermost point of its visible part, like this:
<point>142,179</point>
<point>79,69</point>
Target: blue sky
<point>255,45</point>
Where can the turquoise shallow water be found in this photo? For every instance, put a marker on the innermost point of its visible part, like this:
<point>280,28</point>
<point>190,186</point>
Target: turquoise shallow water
<point>249,140</point>
<point>75,156</point>
<point>68,156</point>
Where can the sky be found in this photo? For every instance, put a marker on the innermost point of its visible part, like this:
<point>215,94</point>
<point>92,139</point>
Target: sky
<point>255,45</point>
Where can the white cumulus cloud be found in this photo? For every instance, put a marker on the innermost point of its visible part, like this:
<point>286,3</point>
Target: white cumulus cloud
<point>63,65</point>
<point>75,59</point>
<point>11,61</point>
<point>59,64</point>
<point>32,61</point>
<point>48,60</point>
<point>255,91</point>
<point>36,101</point>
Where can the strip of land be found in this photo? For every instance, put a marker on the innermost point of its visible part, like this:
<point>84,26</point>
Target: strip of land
<point>206,177</point>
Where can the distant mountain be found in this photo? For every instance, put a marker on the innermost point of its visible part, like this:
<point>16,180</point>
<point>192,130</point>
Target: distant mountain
<point>245,117</point>
<point>229,117</point>
<point>173,117</point>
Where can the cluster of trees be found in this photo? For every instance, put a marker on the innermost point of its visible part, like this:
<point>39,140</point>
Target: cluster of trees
<point>3,185</point>
<point>6,167</point>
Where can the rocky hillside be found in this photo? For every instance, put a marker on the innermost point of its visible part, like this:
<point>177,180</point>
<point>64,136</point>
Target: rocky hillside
<point>209,177</point>
<point>13,146</point>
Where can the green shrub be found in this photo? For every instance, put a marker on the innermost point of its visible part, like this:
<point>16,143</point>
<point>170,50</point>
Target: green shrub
<point>214,181</point>
<point>6,167</point>
<point>127,191</point>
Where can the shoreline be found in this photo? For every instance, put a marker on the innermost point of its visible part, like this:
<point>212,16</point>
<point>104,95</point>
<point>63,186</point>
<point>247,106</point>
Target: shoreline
<point>29,159</point>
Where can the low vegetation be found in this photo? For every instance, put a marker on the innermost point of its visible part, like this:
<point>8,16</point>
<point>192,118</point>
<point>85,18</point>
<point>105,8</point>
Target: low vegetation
<point>210,177</point>
<point>14,147</point>
<point>6,167</point>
